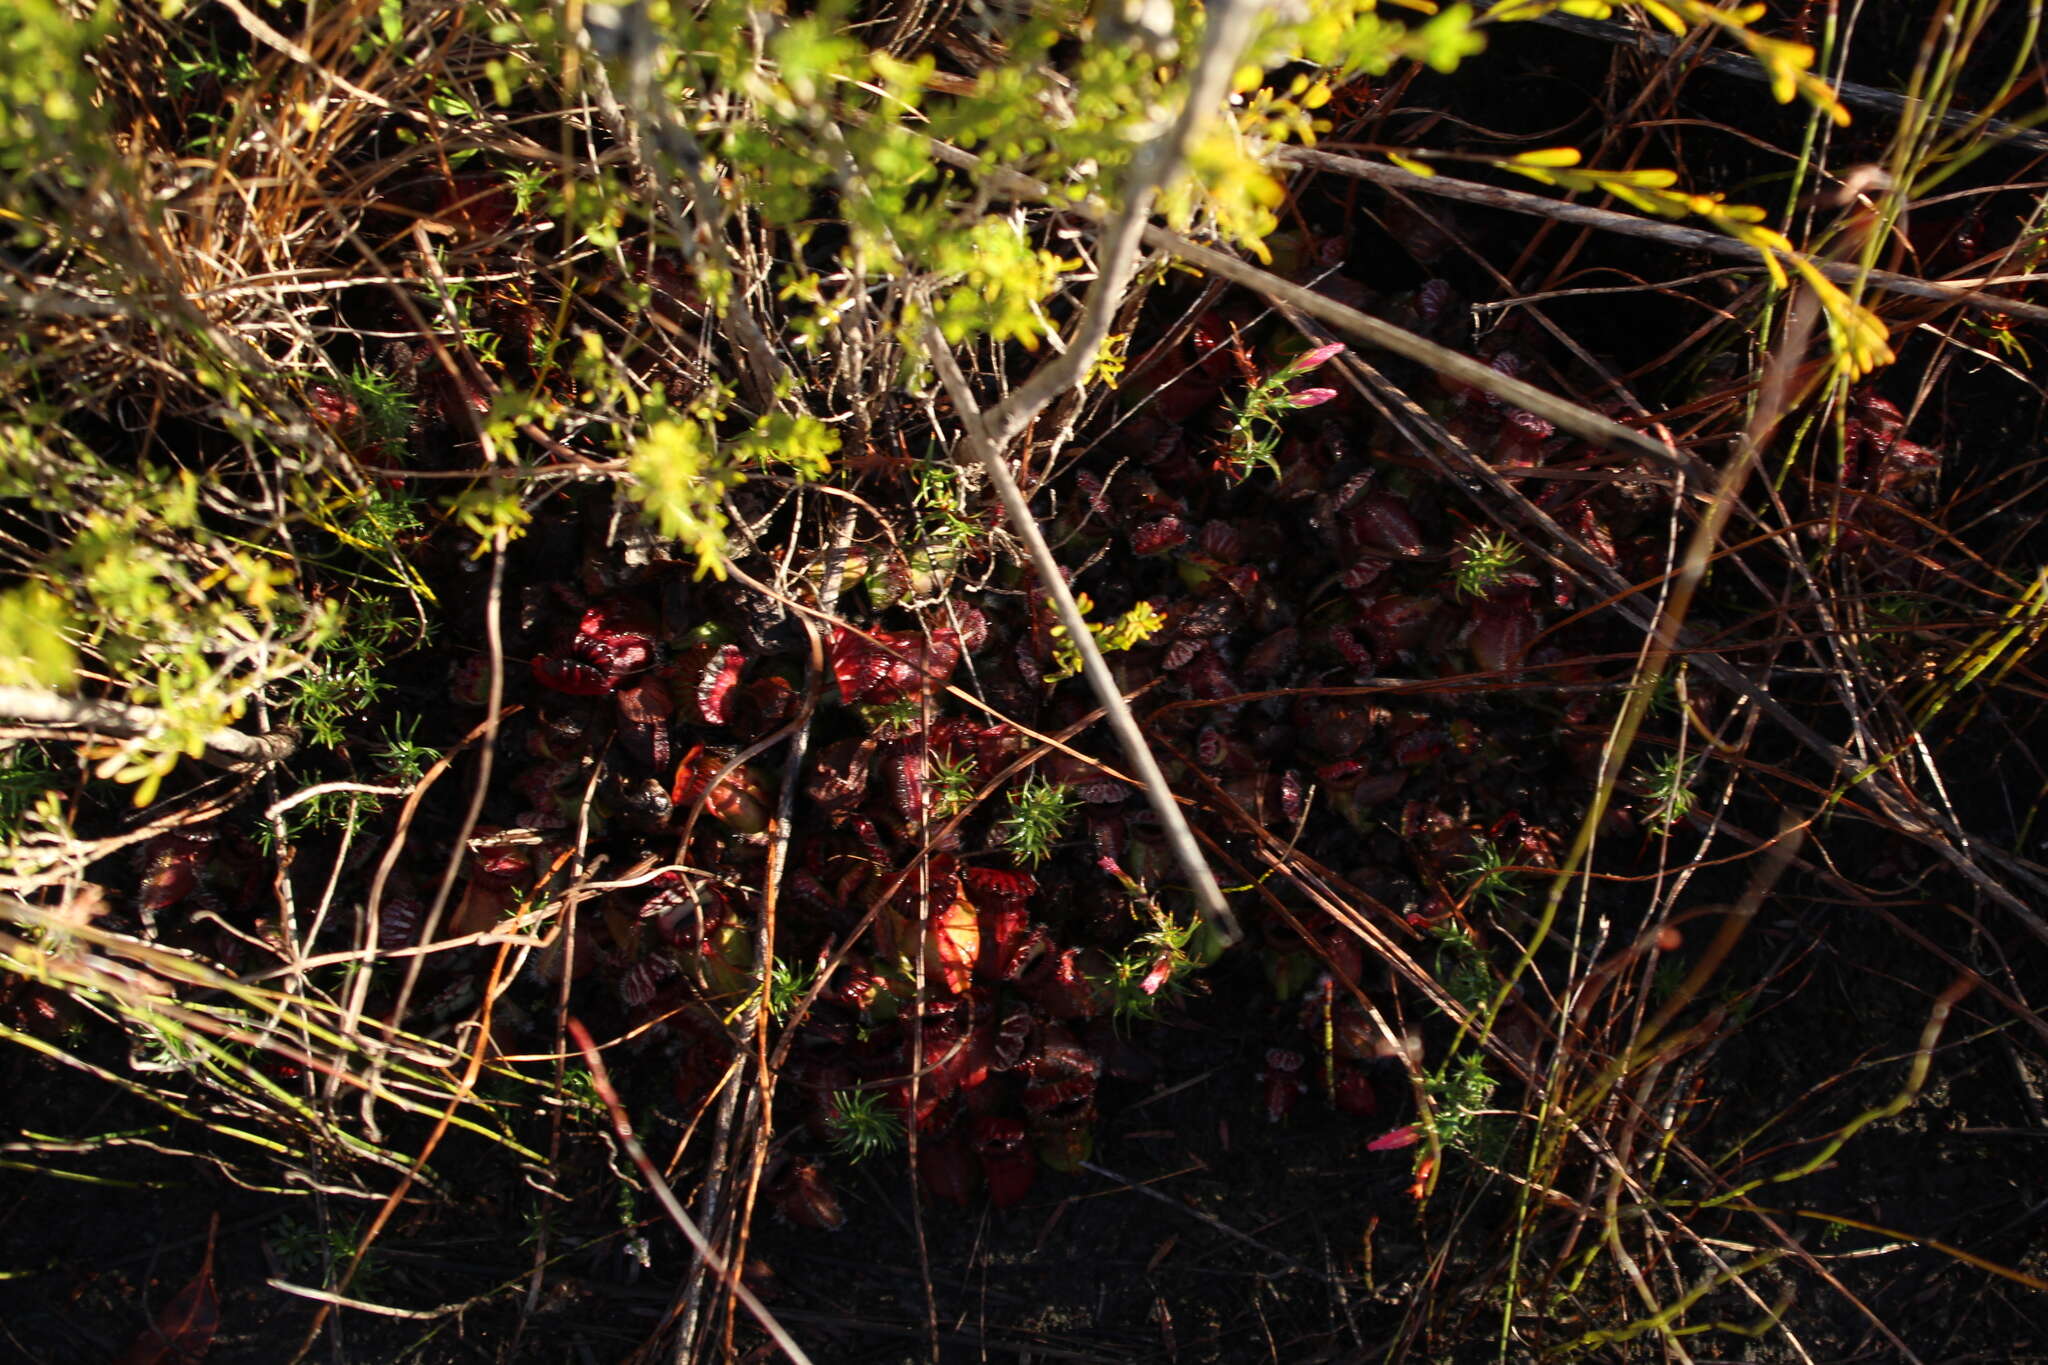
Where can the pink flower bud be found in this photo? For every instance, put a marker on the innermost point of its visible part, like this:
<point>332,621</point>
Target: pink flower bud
<point>1308,360</point>
<point>1310,398</point>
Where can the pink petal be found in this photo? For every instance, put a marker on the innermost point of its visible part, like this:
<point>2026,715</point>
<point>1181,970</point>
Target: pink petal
<point>1400,1137</point>
<point>1310,398</point>
<point>1308,360</point>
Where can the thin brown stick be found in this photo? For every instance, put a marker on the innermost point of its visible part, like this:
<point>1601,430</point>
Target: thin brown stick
<point>419,1164</point>
<point>1964,293</point>
<point>815,672</point>
<point>602,1081</point>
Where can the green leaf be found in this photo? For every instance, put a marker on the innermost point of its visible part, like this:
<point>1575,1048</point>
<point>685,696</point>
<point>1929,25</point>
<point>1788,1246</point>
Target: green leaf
<point>680,480</point>
<point>34,649</point>
<point>1446,40</point>
<point>803,443</point>
<point>486,509</point>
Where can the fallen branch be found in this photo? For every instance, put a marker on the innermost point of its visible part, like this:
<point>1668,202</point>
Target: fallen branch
<point>1573,417</point>
<point>1749,68</point>
<point>1179,838</point>
<point>82,718</point>
<point>1964,293</point>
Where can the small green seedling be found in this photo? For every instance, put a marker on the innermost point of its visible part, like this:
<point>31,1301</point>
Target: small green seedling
<point>787,985</point>
<point>863,1125</point>
<point>1254,439</point>
<point>1667,782</point>
<point>1484,561</point>
<point>952,785</point>
<point>1489,877</point>
<point>1039,812</point>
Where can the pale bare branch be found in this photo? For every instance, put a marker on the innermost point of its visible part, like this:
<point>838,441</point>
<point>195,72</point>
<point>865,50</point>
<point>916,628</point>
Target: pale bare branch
<point>1179,838</point>
<point>78,717</point>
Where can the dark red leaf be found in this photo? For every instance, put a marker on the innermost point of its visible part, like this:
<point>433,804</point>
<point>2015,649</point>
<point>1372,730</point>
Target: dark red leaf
<point>1157,537</point>
<point>893,665</point>
<point>172,861</point>
<point>1364,573</point>
<point>910,795</point>
<point>998,886</point>
<point>971,625</point>
<point>762,705</point>
<point>1382,522</point>
<point>1006,1158</point>
<point>1223,541</point>
<point>1105,791</point>
<point>1346,644</point>
<point>801,1195</point>
<point>1013,1038</point>
<point>949,1169</point>
<point>839,778</point>
<point>742,802</point>
<point>572,676</point>
<point>1501,632</point>
<point>183,1331</point>
<point>1432,301</point>
<point>333,408</point>
<point>1293,797</point>
<point>1275,654</point>
<point>644,709</point>
<point>614,638</point>
<point>713,671</point>
<point>1062,984</point>
<point>1010,942</point>
<point>1355,1093</point>
<point>1282,1082</point>
<point>1417,746</point>
<point>1207,678</point>
<point>398,923</point>
<point>1396,624</point>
